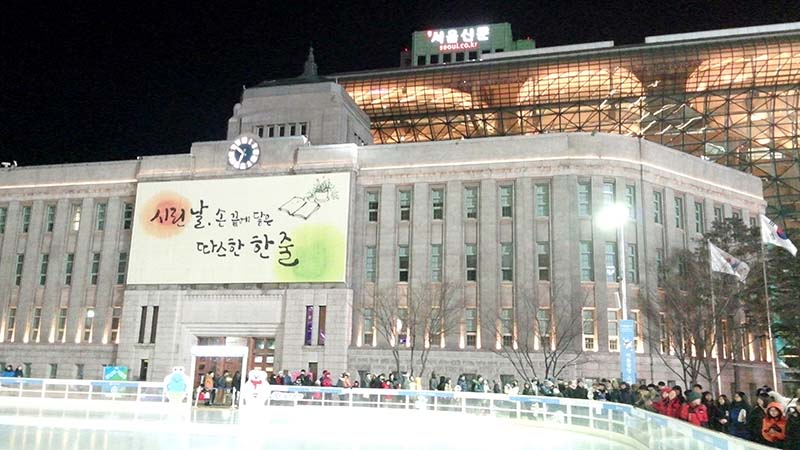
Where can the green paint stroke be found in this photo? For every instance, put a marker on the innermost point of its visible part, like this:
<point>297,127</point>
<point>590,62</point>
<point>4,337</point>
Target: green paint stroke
<point>321,252</point>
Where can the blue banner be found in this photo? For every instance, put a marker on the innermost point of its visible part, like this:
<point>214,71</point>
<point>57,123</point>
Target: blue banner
<point>627,350</point>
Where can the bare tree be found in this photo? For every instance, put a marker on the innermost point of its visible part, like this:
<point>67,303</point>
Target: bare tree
<point>414,321</point>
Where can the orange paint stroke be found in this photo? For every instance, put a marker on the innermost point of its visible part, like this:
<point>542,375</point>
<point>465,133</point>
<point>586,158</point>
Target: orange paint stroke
<point>166,214</point>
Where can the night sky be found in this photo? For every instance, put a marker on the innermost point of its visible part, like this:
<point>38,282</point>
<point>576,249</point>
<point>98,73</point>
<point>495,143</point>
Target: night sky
<point>82,83</point>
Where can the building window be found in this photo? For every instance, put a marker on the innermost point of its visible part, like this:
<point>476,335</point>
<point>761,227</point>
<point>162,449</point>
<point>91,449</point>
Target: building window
<point>372,206</point>
<point>402,327</point>
<point>661,275</point>
<point>699,218</point>
<point>584,199</point>
<point>88,324</point>
<point>752,222</point>
<point>736,214</point>
<point>434,59</point>
<point>717,214</point>
<point>18,270</point>
<point>11,323</point>
<point>471,202</point>
<point>95,268</point>
<point>421,60</point>
<point>543,260</point>
<point>405,206</point>
<point>370,265</point>
<point>50,218</point>
<point>26,218</point>
<point>609,193</point>
<point>589,330</point>
<point>53,370</point>
<point>473,56</point>
<point>61,332</point>
<point>154,325</point>
<point>542,200</point>
<point>679,213</point>
<point>259,130</point>
<point>3,216</point>
<point>459,57</point>
<point>586,259</point>
<point>100,217</point>
<point>506,201</point>
<point>369,326</point>
<point>507,262</point>
<point>142,324</point>
<point>76,217</point>
<point>630,200</point>
<point>658,213</point>
<point>611,262</point>
<point>447,57</point>
<point>471,326</point>
<point>507,324</point>
<point>43,269</point>
<point>68,269</point>
<point>613,330</point>
<point>309,329</point>
<point>127,216</point>
<point>632,264</point>
<point>436,262</point>
<point>637,335</point>
<point>471,252</point>
<point>79,371</point>
<point>321,326</point>
<point>36,324</point>
<point>402,263</point>
<point>725,338</point>
<point>122,267</point>
<point>543,322</point>
<point>663,334</point>
<point>116,319</point>
<point>437,201</point>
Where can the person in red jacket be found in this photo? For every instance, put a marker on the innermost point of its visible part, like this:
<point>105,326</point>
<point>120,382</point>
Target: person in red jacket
<point>693,411</point>
<point>670,404</point>
<point>773,427</point>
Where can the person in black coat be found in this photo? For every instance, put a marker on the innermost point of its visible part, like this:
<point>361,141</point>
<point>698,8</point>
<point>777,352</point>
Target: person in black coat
<point>721,418</point>
<point>755,419</point>
<point>792,440</point>
<point>625,395</point>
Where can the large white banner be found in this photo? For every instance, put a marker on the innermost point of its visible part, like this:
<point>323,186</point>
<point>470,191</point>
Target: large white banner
<point>281,229</point>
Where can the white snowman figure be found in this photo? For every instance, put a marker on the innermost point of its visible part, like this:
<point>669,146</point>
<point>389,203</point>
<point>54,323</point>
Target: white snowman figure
<point>256,390</point>
<point>177,385</point>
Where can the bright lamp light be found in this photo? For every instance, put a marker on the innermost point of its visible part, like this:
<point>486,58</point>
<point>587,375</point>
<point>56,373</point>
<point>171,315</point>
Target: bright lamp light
<point>612,216</point>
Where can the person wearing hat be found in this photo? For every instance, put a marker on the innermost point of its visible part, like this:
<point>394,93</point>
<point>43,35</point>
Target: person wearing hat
<point>693,411</point>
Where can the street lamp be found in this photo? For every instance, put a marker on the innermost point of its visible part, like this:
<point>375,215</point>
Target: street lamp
<point>615,216</point>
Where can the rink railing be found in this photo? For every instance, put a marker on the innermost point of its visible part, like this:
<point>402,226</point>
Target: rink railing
<point>636,426</point>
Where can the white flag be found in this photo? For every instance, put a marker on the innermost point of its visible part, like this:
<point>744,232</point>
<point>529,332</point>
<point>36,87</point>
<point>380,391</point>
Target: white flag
<point>773,234</point>
<point>725,263</point>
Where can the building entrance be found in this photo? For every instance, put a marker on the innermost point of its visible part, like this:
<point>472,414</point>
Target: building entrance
<point>214,369</point>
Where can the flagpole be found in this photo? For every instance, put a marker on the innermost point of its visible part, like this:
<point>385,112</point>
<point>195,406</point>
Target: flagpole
<point>714,319</point>
<point>769,317</point>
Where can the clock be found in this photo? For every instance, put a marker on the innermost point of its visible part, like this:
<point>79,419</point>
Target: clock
<point>243,153</point>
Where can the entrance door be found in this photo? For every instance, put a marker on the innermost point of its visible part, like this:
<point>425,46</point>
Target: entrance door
<point>262,354</point>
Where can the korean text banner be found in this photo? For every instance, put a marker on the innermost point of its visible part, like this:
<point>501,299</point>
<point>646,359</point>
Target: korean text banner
<point>281,229</point>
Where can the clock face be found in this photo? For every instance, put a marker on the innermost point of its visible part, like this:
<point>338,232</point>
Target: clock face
<point>243,153</point>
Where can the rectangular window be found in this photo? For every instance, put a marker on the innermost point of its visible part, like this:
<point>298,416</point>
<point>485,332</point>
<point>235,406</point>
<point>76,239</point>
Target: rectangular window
<point>660,267</point>
<point>612,268</point>
<point>271,131</point>
<point>281,130</point>
<point>542,200</point>
<point>630,200</point>
<point>658,213</point>
<point>36,324</point>
<point>434,59</point>
<point>473,56</point>
<point>752,222</point>
<point>53,370</point>
<point>371,269</point>
<point>70,263</point>
<point>26,218</point>
<point>309,329</point>
<point>304,128</point>
<point>584,199</point>
<point>437,202</point>
<point>436,262</point>
<point>507,324</point>
<point>736,214</point>
<point>471,326</point>
<point>369,326</point>
<point>447,57</point>
<point>18,270</point>
<point>43,269</point>
<point>61,333</point>
<point>609,193</point>
<point>589,330</point>
<point>76,217</point>
<point>372,206</point>
<point>613,330</point>
<point>142,324</point>
<point>421,60</point>
<point>459,57</point>
<point>95,267</point>
<point>637,332</point>
<point>506,201</point>
<point>154,325</point>
<point>471,202</point>
<point>699,218</point>
<point>50,218</point>
<point>122,267</point>
<point>402,333</point>
<point>405,206</point>
<point>632,264</point>
<point>402,263</point>
<point>718,214</point>
<point>3,216</point>
<point>586,259</point>
<point>11,323</point>
<point>679,212</point>
<point>543,260</point>
<point>543,322</point>
<point>293,130</point>
<point>100,217</point>
<point>471,252</point>
<point>321,326</point>
<point>116,318</point>
<point>78,371</point>
<point>663,334</point>
<point>259,130</point>
<point>507,262</point>
<point>88,324</point>
<point>127,216</point>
